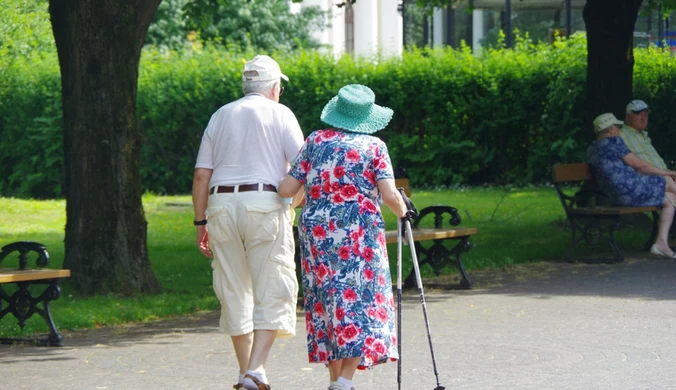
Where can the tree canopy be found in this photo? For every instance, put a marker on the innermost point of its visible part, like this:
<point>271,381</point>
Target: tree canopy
<point>263,25</point>
<point>25,27</point>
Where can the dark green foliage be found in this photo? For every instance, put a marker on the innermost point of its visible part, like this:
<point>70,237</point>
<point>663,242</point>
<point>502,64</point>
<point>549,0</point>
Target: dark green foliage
<point>263,25</point>
<point>459,119</point>
<point>25,27</point>
<point>31,127</point>
<point>169,28</point>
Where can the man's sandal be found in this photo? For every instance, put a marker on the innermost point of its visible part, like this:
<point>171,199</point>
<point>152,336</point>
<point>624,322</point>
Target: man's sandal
<point>238,386</point>
<point>257,382</point>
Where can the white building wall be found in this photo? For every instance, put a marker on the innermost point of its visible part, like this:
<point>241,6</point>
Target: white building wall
<point>391,28</point>
<point>336,29</point>
<point>477,30</point>
<point>438,27</point>
<point>378,27</point>
<point>365,27</point>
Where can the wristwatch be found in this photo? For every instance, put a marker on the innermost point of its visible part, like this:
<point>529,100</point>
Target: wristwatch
<point>200,223</point>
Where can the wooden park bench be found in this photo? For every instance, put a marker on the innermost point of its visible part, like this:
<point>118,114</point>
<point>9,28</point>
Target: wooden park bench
<point>431,237</point>
<point>590,217</point>
<point>21,303</point>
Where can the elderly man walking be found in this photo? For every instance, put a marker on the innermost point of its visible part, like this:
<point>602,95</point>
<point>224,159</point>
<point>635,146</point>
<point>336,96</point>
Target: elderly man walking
<point>246,149</point>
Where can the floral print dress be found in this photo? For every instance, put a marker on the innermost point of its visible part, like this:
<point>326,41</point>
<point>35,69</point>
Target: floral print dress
<point>622,183</point>
<point>347,286</point>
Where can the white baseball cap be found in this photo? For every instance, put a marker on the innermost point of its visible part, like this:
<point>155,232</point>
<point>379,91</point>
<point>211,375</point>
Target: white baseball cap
<point>636,106</point>
<point>604,121</point>
<point>262,68</point>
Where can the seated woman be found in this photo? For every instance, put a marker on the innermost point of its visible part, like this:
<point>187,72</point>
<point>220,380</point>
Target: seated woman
<point>630,181</point>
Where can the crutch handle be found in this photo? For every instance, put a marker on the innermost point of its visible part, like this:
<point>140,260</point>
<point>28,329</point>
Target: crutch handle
<point>411,211</point>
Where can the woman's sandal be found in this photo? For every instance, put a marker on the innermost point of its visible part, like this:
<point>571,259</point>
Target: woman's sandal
<point>655,250</point>
<point>238,386</point>
<point>257,382</point>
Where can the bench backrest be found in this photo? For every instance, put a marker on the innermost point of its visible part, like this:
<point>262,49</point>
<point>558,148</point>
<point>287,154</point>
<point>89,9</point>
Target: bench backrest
<point>403,183</point>
<point>588,195</point>
<point>571,172</point>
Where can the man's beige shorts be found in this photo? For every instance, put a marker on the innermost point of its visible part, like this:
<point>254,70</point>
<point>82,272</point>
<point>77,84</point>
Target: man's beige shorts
<point>251,237</point>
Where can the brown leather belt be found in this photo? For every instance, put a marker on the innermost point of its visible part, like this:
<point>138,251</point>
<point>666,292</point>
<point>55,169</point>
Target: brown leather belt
<point>242,188</point>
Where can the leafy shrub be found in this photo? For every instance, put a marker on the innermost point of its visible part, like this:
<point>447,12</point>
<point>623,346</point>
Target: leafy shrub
<point>459,119</point>
<point>31,127</point>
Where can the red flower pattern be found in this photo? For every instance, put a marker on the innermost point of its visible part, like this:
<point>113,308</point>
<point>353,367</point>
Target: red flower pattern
<point>349,295</point>
<point>352,155</point>
<point>319,232</point>
<point>379,298</point>
<point>368,254</point>
<point>351,332</point>
<point>349,191</point>
<point>344,252</point>
<point>338,171</point>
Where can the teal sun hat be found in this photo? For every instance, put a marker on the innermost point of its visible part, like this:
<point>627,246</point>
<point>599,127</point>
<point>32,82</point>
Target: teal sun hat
<point>354,109</point>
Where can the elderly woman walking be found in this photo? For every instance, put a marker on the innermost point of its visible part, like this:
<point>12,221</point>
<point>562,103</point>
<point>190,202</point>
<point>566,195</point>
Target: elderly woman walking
<point>630,181</point>
<point>346,174</point>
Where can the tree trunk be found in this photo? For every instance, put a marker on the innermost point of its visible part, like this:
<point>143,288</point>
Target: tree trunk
<point>99,46</point>
<point>610,54</point>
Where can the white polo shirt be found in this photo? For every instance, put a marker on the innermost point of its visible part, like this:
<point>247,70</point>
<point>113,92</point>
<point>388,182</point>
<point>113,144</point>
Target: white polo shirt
<point>251,140</point>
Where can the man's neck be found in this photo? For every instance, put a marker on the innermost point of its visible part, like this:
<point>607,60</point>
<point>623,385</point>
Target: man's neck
<point>261,95</point>
<point>634,129</point>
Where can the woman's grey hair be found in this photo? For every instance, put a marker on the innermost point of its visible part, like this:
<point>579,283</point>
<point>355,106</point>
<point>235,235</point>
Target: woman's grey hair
<point>262,87</point>
<point>605,131</point>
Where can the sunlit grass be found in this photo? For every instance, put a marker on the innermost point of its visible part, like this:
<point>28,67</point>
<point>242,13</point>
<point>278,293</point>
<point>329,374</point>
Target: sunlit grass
<point>515,226</point>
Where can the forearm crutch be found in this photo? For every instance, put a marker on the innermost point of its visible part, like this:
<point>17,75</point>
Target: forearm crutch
<point>416,268</point>
<point>399,239</point>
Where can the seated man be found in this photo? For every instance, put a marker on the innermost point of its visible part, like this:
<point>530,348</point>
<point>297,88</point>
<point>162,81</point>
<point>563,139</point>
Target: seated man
<point>634,134</point>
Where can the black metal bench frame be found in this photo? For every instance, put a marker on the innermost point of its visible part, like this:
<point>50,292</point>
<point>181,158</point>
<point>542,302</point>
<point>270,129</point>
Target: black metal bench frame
<point>21,303</point>
<point>590,223</point>
<point>437,255</point>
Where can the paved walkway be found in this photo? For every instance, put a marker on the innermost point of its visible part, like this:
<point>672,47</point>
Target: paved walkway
<point>545,326</point>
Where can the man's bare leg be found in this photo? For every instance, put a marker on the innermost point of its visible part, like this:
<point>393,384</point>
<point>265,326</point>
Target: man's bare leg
<point>666,219</point>
<point>255,374</point>
<point>670,185</point>
<point>242,344</point>
<point>262,342</point>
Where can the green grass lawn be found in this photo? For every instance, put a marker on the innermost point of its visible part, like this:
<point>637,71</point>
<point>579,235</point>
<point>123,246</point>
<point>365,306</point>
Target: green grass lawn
<point>515,226</point>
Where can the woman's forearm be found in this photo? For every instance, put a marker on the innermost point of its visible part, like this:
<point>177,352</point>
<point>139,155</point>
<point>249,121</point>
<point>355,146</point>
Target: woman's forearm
<point>648,169</point>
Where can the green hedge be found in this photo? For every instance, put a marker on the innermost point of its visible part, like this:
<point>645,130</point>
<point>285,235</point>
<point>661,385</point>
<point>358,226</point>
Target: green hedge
<point>31,127</point>
<point>459,119</point>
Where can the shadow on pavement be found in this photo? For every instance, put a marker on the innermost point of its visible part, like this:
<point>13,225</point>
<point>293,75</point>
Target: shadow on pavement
<point>636,277</point>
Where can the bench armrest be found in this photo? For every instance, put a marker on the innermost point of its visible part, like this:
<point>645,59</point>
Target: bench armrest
<point>438,211</point>
<point>24,248</point>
